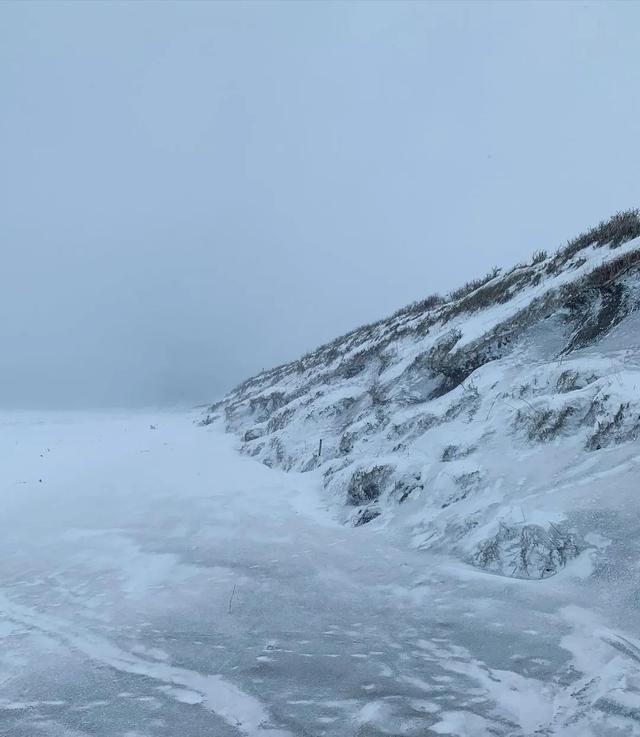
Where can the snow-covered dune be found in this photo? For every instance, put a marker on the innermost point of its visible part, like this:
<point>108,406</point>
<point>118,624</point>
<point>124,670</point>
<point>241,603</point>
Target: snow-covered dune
<point>499,424</point>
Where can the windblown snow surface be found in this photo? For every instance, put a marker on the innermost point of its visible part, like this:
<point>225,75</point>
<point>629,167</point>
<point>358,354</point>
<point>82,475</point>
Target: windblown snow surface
<point>462,558</point>
<point>156,583</point>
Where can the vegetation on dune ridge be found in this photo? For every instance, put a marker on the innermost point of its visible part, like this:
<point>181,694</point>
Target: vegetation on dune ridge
<point>494,288</point>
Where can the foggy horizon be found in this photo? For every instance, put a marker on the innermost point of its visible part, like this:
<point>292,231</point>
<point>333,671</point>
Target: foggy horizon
<point>193,192</point>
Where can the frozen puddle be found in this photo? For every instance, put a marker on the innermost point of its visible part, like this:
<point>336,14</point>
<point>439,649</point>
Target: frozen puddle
<point>156,584</point>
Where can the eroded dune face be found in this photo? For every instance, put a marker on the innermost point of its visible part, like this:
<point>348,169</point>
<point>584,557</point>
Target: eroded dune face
<point>476,421</point>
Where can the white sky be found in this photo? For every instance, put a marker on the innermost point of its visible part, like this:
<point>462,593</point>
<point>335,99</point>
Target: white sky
<point>191,192</point>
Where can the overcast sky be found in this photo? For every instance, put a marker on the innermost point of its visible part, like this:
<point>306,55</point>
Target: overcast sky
<point>192,192</point>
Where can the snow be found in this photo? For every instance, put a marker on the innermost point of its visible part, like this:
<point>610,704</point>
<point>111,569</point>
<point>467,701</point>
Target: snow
<point>158,583</point>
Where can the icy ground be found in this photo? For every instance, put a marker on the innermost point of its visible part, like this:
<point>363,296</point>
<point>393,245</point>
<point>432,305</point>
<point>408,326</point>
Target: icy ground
<point>155,583</point>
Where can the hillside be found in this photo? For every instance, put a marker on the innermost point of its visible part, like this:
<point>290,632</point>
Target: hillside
<point>498,424</point>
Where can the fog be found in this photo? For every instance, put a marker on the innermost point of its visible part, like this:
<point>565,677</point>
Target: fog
<point>192,192</point>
